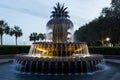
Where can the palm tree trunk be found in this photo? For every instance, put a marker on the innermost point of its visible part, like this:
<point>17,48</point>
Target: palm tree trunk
<point>34,40</point>
<point>102,42</point>
<point>16,40</point>
<point>1,39</point>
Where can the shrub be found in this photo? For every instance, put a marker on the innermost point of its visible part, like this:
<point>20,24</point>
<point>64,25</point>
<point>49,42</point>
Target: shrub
<point>12,49</point>
<point>105,50</point>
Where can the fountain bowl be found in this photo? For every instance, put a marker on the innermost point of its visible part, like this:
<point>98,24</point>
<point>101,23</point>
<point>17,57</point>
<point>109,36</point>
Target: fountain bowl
<point>58,65</point>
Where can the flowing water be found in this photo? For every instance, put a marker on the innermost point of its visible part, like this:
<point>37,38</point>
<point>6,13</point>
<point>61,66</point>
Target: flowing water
<point>111,72</point>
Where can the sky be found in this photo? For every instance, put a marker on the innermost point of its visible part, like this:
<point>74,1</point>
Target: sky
<point>33,15</point>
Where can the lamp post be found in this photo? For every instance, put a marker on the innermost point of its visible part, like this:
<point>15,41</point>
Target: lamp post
<point>107,41</point>
<point>24,42</point>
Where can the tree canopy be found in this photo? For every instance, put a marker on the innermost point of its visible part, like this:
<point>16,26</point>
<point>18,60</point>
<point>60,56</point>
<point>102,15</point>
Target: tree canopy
<point>17,32</point>
<point>4,29</point>
<point>35,36</point>
<point>106,25</point>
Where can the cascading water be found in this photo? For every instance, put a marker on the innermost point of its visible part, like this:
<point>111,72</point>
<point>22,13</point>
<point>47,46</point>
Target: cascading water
<point>60,55</point>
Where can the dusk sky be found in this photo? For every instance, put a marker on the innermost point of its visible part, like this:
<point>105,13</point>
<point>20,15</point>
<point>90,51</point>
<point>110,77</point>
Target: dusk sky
<point>32,15</point>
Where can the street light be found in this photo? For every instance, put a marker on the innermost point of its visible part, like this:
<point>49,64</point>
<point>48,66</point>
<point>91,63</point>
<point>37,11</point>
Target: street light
<point>107,39</point>
<point>107,42</point>
<point>24,41</point>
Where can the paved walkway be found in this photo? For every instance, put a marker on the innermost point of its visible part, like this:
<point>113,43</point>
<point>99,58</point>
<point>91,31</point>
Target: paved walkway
<point>6,58</point>
<point>112,57</point>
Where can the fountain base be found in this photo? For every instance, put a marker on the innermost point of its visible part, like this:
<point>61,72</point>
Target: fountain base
<point>58,65</point>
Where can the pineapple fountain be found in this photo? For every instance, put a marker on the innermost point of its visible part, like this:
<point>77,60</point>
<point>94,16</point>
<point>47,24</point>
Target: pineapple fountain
<point>59,54</point>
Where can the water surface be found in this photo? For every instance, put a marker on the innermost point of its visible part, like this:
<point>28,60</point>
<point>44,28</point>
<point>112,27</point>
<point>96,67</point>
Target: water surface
<point>112,72</point>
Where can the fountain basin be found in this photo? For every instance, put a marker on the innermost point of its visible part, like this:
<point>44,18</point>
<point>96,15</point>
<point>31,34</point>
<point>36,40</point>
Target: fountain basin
<point>58,65</point>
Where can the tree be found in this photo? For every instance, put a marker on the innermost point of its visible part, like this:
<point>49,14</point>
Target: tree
<point>17,32</point>
<point>34,37</point>
<point>41,36</point>
<point>4,29</point>
<point>112,14</point>
<point>106,25</point>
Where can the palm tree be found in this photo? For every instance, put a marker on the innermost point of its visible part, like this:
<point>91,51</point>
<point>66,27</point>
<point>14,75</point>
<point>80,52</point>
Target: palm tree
<point>4,29</point>
<point>41,36</point>
<point>17,32</point>
<point>34,37</point>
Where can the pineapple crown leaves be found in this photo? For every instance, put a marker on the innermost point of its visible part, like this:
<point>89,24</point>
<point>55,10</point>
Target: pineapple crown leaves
<point>59,11</point>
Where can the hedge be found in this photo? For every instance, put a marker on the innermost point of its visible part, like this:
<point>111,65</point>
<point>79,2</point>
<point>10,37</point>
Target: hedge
<point>105,50</point>
<point>12,49</point>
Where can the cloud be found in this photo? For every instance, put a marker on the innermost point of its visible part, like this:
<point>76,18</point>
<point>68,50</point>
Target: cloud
<point>30,11</point>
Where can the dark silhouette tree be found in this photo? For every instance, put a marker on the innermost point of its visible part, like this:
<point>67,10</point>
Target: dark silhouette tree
<point>41,36</point>
<point>4,29</point>
<point>34,37</point>
<point>106,25</point>
<point>17,32</point>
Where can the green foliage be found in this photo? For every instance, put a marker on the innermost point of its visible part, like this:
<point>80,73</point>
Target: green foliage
<point>104,50</point>
<point>106,25</point>
<point>12,49</point>
<point>4,29</point>
<point>41,36</point>
<point>113,11</point>
<point>17,32</point>
<point>35,36</point>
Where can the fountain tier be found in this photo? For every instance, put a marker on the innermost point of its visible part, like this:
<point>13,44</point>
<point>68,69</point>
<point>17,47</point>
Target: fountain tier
<point>58,65</point>
<point>58,49</point>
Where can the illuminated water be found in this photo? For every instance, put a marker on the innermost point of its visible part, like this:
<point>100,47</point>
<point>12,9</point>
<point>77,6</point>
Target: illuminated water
<point>111,72</point>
